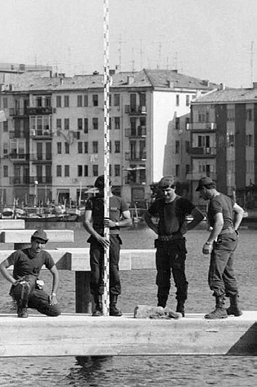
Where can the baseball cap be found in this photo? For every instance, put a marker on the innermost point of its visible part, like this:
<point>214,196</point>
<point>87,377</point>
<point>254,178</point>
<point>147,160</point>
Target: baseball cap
<point>205,181</point>
<point>40,235</point>
<point>166,182</point>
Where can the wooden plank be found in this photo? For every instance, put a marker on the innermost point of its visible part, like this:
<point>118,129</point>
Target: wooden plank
<point>24,236</point>
<point>83,335</point>
<point>130,259</point>
<point>12,224</point>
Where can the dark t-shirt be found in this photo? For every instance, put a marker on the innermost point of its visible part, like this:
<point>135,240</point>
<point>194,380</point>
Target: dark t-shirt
<point>25,264</point>
<point>117,206</point>
<point>224,204</point>
<point>171,215</point>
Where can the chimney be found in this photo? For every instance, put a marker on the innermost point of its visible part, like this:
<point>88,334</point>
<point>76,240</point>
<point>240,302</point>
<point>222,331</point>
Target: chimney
<point>206,82</point>
<point>222,86</point>
<point>130,79</point>
<point>254,85</point>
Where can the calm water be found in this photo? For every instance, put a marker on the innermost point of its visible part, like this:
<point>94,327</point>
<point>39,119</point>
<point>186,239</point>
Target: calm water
<point>139,287</point>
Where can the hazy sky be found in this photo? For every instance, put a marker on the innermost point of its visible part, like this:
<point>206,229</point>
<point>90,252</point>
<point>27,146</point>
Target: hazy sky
<point>209,39</point>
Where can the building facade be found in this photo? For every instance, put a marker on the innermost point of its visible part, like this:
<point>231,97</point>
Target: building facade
<point>52,139</point>
<point>223,142</point>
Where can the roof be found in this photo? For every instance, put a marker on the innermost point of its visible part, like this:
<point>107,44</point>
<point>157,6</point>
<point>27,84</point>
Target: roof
<point>228,96</point>
<point>154,79</point>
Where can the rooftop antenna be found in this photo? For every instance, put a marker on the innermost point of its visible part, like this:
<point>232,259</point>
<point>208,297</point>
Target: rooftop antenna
<point>141,55</point>
<point>160,51</point>
<point>252,62</point>
<point>120,52</point>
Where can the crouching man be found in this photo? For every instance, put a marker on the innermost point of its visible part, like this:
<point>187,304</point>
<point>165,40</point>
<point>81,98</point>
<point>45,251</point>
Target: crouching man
<point>27,288</point>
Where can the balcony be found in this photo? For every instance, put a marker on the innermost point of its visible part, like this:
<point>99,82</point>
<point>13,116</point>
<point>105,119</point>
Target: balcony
<point>202,151</point>
<point>195,176</point>
<point>135,109</point>
<point>140,156</point>
<point>39,110</point>
<point>14,156</point>
<point>201,126</point>
<point>41,134</point>
<point>41,159</point>
<point>140,131</point>
<point>21,180</point>
<point>18,112</point>
<point>16,134</point>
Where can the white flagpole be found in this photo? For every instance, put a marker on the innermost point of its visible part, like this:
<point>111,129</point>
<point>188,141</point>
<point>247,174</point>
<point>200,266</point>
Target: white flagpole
<point>106,296</point>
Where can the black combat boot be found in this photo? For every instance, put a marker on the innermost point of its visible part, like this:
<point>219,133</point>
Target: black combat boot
<point>23,290</point>
<point>181,307</point>
<point>234,309</point>
<point>219,311</point>
<point>114,311</point>
<point>162,300</point>
<point>98,305</point>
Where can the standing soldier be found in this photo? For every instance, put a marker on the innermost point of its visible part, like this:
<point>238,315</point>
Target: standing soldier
<point>221,244</point>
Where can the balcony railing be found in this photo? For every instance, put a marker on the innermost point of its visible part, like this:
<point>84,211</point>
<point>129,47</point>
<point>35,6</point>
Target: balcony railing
<point>201,126</point>
<point>140,131</point>
<point>39,110</point>
<point>18,112</point>
<point>41,158</point>
<point>202,151</point>
<point>18,156</point>
<point>135,109</point>
<point>195,176</point>
<point>21,180</point>
<point>135,156</point>
<point>42,133</point>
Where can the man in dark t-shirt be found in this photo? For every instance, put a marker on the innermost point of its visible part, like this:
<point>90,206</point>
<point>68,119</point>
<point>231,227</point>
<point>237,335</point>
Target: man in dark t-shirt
<point>119,216</point>
<point>27,289</point>
<point>171,210</point>
<point>221,244</point>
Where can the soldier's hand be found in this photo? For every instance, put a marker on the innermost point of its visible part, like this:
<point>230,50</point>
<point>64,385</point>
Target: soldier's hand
<point>207,248</point>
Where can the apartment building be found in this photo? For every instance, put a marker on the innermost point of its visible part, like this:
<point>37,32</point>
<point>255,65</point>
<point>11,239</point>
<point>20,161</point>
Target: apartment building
<point>223,142</point>
<point>52,141</point>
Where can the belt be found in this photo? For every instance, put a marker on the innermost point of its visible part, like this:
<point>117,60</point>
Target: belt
<point>229,230</point>
<point>167,238</point>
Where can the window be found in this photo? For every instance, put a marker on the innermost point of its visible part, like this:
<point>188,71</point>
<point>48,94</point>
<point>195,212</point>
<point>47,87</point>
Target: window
<point>58,101</point>
<point>85,100</point>
<point>58,170</point>
<point>177,170</point>
<point>117,146</point>
<point>80,147</point>
<point>95,170</point>
<point>79,100</point>
<point>39,102</point>
<point>66,170</point>
<point>5,126</point>
<point>187,168</point>
<point>66,101</point>
<point>110,100</point>
<point>142,99</point>
<point>79,170</point>
<point>177,123</point>
<point>177,145</point>
<point>48,102</point>
<point>85,170</point>
<point>67,148</point>
<point>117,122</point>
<point>5,171</point>
<point>230,114</point>
<point>80,124</point>
<point>95,99</point>
<point>110,170</point>
<point>85,125</point>
<point>116,101</point>
<point>95,146</point>
<point>59,148</point>
<point>249,114</point>
<point>95,123</point>
<point>48,151</point>
<point>187,123</point>
<point>5,103</point>
<point>86,147</point>
<point>177,100</point>
<point>249,140</point>
<point>58,123</point>
<point>66,123</point>
<point>116,170</point>
<point>187,100</point>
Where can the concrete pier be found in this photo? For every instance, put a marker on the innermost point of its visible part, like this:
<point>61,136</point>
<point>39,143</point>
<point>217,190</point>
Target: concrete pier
<point>84,335</point>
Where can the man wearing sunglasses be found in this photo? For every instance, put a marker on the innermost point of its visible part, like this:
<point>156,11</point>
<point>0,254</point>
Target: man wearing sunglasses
<point>171,210</point>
